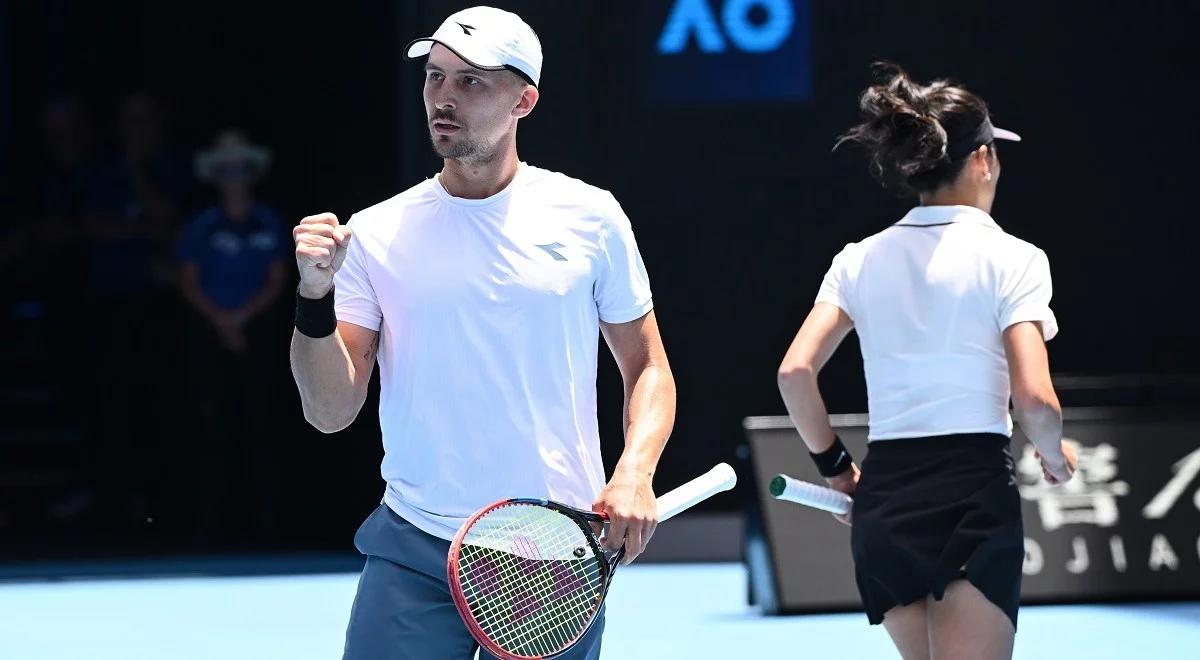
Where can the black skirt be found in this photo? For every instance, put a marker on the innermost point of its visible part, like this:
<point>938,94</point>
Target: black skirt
<point>928,511</point>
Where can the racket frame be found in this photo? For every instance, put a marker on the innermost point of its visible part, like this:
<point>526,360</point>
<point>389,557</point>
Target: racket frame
<point>720,478</point>
<point>584,519</point>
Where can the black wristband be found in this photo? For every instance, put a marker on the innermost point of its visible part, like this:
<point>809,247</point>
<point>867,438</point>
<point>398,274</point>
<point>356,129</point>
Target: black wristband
<point>833,461</point>
<point>315,318</point>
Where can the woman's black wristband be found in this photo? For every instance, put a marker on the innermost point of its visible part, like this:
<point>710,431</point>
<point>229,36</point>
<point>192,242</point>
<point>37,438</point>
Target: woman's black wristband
<point>833,461</point>
<point>315,318</point>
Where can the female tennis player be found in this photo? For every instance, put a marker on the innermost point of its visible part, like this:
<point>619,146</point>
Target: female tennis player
<point>952,316</point>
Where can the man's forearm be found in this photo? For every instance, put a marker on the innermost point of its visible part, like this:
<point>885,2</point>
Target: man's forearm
<point>325,376</point>
<point>649,418</point>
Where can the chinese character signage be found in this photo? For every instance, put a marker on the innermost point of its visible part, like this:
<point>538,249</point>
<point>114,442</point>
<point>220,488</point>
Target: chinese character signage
<point>1126,526</point>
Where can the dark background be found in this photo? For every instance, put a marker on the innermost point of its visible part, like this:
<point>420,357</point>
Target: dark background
<point>738,209</point>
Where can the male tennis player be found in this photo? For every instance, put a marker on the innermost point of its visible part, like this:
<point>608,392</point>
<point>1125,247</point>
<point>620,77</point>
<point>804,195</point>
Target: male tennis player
<point>481,292</point>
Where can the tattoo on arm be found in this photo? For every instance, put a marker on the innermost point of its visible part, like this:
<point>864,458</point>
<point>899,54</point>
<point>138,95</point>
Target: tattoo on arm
<point>371,348</point>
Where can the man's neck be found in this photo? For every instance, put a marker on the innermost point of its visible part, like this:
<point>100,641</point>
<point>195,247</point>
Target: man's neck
<point>474,180</point>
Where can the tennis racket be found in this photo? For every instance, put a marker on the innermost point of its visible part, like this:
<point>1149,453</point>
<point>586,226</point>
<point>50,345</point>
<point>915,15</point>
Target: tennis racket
<point>784,487</point>
<point>528,576</point>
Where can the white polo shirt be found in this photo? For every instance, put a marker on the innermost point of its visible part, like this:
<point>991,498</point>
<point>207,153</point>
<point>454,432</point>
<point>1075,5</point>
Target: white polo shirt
<point>488,312</point>
<point>930,297</point>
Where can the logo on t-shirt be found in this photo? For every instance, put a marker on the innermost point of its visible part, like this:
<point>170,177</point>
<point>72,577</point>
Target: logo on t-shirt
<point>553,250</point>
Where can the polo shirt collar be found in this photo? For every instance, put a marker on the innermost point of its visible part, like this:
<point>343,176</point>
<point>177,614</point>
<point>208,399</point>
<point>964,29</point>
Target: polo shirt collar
<point>928,216</point>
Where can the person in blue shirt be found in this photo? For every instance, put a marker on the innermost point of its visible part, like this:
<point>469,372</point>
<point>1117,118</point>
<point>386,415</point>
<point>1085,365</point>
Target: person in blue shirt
<point>232,269</point>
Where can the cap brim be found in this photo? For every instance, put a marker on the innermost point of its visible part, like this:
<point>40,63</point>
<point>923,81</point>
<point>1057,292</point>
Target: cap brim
<point>419,48</point>
<point>1001,134</point>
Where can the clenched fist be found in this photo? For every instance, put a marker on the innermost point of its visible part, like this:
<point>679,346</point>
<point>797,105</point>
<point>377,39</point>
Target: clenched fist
<point>320,250</point>
<point>1059,472</point>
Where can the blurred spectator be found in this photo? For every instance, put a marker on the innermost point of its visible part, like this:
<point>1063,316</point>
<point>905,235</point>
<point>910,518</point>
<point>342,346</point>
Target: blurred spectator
<point>137,203</point>
<point>132,218</point>
<point>56,268</point>
<point>43,259</point>
<point>70,179</point>
<point>35,250</point>
<point>232,268</point>
<point>71,183</point>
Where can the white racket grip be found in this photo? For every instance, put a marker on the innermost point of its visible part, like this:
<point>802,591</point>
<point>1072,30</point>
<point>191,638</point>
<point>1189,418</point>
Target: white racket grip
<point>719,479</point>
<point>784,487</point>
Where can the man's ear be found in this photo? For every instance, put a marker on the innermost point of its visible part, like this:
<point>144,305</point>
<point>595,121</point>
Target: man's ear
<point>525,104</point>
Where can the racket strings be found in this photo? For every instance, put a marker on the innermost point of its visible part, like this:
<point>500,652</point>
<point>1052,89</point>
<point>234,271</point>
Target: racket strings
<point>528,562</point>
<point>559,627</point>
<point>524,579</point>
<point>532,619</point>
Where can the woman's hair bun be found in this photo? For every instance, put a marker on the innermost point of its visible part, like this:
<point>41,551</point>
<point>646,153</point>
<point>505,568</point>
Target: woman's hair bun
<point>905,128</point>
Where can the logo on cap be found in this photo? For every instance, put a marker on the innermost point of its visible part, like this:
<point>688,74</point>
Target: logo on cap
<point>466,28</point>
<point>553,250</point>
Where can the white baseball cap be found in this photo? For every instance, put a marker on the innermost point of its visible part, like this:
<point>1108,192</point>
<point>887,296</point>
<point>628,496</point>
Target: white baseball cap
<point>487,38</point>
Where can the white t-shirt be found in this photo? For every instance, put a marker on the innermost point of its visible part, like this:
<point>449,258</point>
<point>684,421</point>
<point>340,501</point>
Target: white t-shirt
<point>930,297</point>
<point>488,312</point>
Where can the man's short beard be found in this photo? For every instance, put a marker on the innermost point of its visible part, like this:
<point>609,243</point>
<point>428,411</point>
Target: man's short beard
<point>467,151</point>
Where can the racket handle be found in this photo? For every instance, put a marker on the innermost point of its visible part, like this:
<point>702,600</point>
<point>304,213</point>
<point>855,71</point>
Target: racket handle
<point>719,479</point>
<point>784,487</point>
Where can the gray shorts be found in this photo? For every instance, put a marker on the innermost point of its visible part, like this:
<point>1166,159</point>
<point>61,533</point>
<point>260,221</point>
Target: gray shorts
<point>403,609</point>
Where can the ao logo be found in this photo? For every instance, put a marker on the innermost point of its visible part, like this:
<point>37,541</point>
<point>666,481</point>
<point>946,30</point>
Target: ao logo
<point>695,17</point>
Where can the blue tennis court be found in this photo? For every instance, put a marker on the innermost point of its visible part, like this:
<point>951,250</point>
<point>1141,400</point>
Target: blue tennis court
<point>655,611</point>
